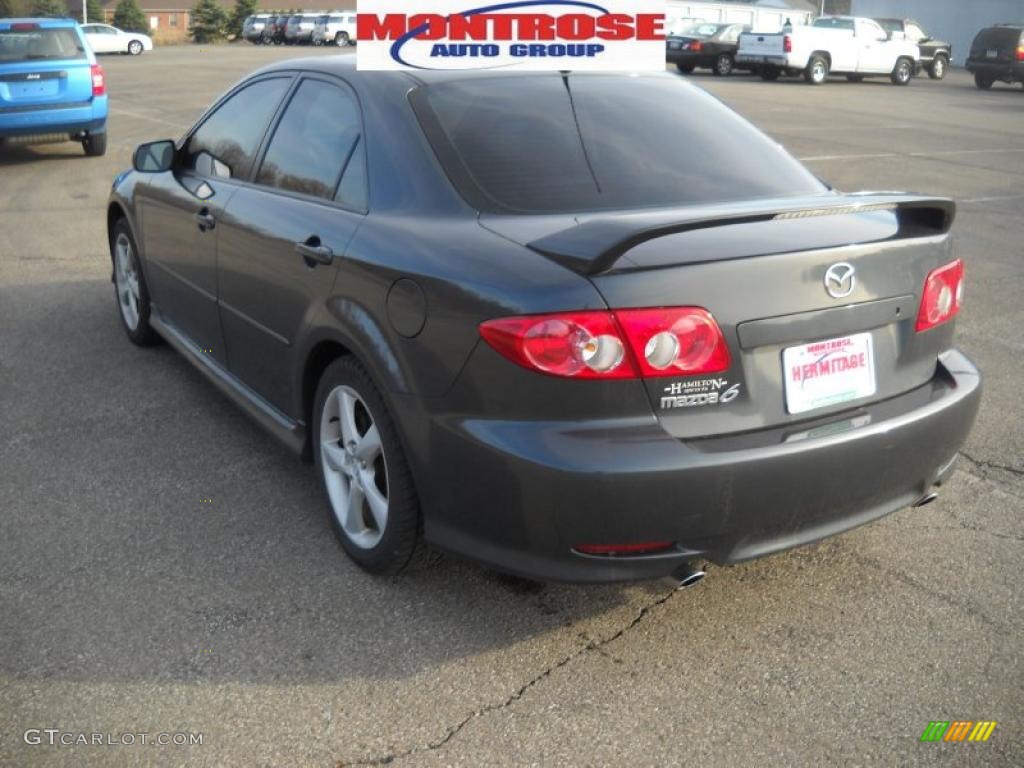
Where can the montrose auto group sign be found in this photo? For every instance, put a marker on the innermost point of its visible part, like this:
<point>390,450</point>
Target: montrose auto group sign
<point>522,34</point>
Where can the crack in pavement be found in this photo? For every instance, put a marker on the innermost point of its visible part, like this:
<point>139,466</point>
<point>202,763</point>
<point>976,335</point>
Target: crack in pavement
<point>452,731</point>
<point>985,464</point>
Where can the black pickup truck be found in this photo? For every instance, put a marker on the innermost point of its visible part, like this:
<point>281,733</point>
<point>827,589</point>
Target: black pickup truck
<point>935,54</point>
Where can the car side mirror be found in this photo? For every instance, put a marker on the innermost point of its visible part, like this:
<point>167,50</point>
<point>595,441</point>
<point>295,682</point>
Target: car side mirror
<point>154,157</point>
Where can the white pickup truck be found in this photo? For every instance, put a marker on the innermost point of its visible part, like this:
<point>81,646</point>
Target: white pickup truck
<point>842,45</point>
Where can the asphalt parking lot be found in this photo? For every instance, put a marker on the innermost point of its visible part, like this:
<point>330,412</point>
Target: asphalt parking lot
<point>165,567</point>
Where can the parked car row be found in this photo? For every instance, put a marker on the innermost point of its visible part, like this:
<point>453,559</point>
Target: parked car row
<point>334,28</point>
<point>855,47</point>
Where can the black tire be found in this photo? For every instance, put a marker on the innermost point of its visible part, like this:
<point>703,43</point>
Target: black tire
<point>341,39</point>
<point>724,65</point>
<point>135,47</point>
<point>770,74</point>
<point>903,72</point>
<point>400,535</point>
<point>983,81</point>
<point>686,69</point>
<point>855,78</point>
<point>816,72</point>
<point>937,69</point>
<point>95,144</point>
<point>142,334</point>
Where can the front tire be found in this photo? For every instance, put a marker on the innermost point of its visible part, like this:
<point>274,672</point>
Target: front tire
<point>903,72</point>
<point>95,144</point>
<point>372,503</point>
<point>130,287</point>
<point>341,39</point>
<point>983,81</point>
<point>817,70</point>
<point>135,47</point>
<point>938,68</point>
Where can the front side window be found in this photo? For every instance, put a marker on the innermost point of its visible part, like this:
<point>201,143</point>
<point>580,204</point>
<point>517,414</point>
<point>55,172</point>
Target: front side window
<point>314,145</point>
<point>232,134</point>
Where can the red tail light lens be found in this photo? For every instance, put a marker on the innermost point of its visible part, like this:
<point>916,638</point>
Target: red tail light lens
<point>942,295</point>
<point>624,344</point>
<point>1020,53</point>
<point>644,548</point>
<point>679,341</point>
<point>99,81</point>
<point>23,26</point>
<point>787,44</point>
<point>696,46</point>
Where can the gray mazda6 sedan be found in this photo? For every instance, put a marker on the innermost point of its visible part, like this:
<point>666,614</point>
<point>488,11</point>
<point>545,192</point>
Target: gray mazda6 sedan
<point>582,327</point>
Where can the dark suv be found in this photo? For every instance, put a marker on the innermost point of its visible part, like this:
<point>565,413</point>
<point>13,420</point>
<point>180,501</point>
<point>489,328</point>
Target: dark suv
<point>997,53</point>
<point>935,54</point>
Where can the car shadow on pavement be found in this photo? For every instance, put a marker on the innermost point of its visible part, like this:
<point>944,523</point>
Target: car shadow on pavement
<point>21,154</point>
<point>163,536</point>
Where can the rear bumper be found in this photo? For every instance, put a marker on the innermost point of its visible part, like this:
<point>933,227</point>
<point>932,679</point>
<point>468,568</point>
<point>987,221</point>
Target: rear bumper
<point>523,494</point>
<point>89,118</point>
<point>756,59</point>
<point>998,70</point>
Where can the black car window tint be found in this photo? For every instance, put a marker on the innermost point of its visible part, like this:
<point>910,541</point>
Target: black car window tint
<point>232,133</point>
<point>585,142</point>
<point>313,141</point>
<point>352,192</point>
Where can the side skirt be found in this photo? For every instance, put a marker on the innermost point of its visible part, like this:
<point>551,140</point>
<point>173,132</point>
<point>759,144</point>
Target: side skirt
<point>288,431</point>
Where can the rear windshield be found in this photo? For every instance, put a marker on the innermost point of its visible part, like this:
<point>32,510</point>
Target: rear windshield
<point>701,30</point>
<point>548,144</point>
<point>999,38</point>
<point>828,23</point>
<point>40,45</point>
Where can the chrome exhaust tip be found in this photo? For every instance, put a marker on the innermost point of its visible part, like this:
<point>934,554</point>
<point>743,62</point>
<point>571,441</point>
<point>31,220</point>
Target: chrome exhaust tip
<point>686,576</point>
<point>928,498</point>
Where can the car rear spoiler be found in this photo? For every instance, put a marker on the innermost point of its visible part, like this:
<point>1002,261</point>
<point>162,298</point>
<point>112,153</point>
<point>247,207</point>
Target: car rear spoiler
<point>594,244</point>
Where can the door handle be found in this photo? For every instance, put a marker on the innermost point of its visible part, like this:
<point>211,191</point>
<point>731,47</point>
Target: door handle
<point>205,220</point>
<point>313,253</point>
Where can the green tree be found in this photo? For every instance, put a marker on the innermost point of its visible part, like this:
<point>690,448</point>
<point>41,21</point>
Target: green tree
<point>129,17</point>
<point>94,11</point>
<point>49,8</point>
<point>209,21</point>
<point>243,9</point>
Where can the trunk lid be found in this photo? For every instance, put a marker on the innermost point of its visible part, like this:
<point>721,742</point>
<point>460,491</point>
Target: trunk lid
<point>760,269</point>
<point>42,67</point>
<point>761,44</point>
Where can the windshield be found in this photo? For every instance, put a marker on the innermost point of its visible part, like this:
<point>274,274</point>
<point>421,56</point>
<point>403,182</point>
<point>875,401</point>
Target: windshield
<point>40,44</point>
<point>591,142</point>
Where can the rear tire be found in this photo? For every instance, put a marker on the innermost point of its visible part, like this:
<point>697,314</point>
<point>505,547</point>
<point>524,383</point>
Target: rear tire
<point>983,81</point>
<point>686,69</point>
<point>372,503</point>
<point>938,67</point>
<point>724,65</point>
<point>817,70</point>
<point>341,39</point>
<point>95,144</point>
<point>903,72</point>
<point>770,74</point>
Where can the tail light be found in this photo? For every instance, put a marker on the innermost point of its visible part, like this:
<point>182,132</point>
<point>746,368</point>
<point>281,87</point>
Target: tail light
<point>787,44</point>
<point>1020,53</point>
<point>23,26</point>
<point>696,46</point>
<point>620,344</point>
<point>643,548</point>
<point>99,81</point>
<point>942,296</point>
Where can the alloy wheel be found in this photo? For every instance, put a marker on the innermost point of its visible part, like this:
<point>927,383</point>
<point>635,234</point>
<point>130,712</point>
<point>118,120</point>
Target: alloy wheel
<point>126,277</point>
<point>354,467</point>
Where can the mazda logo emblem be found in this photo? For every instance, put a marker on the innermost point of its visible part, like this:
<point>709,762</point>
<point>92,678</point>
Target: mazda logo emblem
<point>840,280</point>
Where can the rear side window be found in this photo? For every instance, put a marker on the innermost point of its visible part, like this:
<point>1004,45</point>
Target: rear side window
<point>546,144</point>
<point>829,23</point>
<point>40,45</point>
<point>233,132</point>
<point>314,146</point>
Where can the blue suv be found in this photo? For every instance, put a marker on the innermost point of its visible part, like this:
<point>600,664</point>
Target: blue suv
<point>50,85</point>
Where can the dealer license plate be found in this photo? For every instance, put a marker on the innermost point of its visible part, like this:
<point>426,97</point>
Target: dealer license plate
<point>991,53</point>
<point>828,372</point>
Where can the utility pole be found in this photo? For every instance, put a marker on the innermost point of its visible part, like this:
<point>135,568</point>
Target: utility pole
<point>85,13</point>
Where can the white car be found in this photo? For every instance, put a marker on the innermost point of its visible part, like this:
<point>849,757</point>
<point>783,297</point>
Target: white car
<point>843,45</point>
<point>337,28</point>
<point>103,38</point>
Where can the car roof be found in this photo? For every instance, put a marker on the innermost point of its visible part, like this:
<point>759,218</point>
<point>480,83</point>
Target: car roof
<point>43,23</point>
